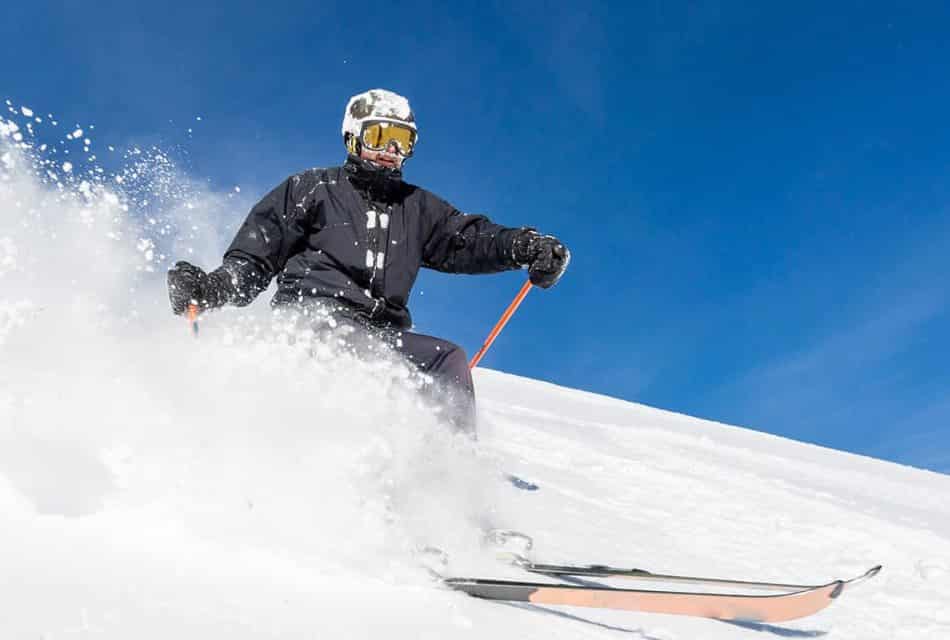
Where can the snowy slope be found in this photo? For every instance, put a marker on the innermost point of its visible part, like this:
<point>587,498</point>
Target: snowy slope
<point>254,484</point>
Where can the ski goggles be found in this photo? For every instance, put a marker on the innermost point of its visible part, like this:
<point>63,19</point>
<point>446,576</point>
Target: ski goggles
<point>378,136</point>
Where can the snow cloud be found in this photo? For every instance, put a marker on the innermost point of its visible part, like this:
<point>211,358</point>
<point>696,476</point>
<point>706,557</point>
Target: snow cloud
<point>140,442</point>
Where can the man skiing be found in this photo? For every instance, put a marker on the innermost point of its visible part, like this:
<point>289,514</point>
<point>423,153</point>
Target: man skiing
<point>347,243</point>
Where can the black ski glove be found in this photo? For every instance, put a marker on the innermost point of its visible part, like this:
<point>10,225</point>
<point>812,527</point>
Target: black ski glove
<point>546,257</point>
<point>188,284</point>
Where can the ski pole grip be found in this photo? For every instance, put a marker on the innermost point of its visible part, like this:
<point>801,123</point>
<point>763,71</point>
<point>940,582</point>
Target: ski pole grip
<point>505,317</point>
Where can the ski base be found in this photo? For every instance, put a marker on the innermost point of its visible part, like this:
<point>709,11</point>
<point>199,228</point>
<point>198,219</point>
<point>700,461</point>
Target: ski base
<point>803,601</point>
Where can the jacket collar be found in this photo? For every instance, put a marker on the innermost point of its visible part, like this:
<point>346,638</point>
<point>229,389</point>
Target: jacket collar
<point>379,183</point>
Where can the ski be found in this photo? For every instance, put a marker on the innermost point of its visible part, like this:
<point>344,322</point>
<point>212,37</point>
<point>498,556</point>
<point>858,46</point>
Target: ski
<point>604,571</point>
<point>791,605</point>
<point>521,483</point>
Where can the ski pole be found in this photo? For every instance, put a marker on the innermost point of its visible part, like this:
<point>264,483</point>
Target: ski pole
<point>505,317</point>
<point>193,318</point>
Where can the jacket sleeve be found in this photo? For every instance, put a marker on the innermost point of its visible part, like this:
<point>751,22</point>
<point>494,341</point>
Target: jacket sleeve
<point>464,243</point>
<point>268,237</point>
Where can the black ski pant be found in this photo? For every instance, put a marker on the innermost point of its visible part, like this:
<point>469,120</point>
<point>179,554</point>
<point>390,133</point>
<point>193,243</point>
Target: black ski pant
<point>447,365</point>
<point>444,365</point>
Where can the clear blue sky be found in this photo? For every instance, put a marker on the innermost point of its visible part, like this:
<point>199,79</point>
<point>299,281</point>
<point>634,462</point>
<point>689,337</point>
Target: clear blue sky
<point>756,194</point>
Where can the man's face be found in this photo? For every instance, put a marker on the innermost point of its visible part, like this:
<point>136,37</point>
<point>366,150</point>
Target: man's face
<point>389,158</point>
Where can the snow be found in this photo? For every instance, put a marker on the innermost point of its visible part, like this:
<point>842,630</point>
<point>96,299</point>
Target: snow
<point>255,483</point>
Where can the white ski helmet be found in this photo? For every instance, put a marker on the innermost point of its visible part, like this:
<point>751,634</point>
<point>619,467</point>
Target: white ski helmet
<point>376,105</point>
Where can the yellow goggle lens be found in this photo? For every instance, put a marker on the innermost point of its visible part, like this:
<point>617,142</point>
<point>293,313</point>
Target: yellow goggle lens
<point>378,135</point>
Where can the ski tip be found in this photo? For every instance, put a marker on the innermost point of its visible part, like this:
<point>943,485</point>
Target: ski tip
<point>873,571</point>
<point>870,573</point>
<point>520,483</point>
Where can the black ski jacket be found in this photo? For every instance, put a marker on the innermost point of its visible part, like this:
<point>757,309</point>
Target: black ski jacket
<point>356,236</point>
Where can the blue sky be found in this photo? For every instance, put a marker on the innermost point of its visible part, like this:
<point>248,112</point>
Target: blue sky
<point>756,195</point>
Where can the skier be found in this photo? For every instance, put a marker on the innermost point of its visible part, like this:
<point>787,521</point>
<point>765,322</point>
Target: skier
<point>347,242</point>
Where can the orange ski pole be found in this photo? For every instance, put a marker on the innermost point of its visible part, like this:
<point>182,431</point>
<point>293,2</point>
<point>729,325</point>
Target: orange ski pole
<point>193,318</point>
<point>505,317</point>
